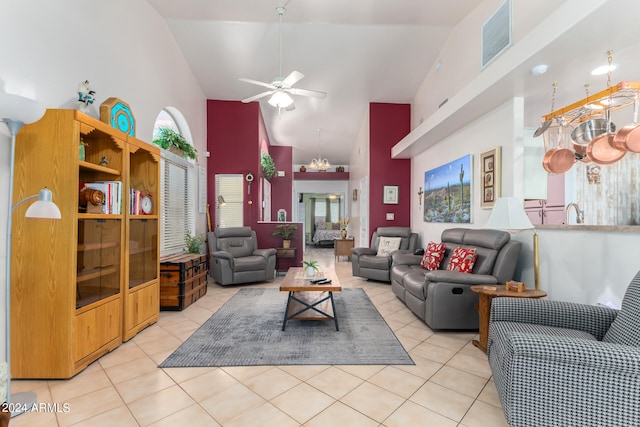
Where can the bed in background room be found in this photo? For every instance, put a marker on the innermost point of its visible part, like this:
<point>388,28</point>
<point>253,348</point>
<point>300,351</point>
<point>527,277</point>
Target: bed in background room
<point>325,232</point>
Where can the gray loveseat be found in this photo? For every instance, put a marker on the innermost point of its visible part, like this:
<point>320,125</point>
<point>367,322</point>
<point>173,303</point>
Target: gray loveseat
<point>442,298</point>
<point>364,261</point>
<point>235,257</point>
<point>567,364</point>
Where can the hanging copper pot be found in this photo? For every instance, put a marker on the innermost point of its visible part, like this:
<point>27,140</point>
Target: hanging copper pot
<point>628,138</point>
<point>558,160</point>
<point>601,149</point>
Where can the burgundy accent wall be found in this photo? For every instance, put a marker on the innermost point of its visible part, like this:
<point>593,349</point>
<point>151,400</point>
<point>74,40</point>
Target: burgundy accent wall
<point>266,239</point>
<point>388,124</point>
<point>233,141</point>
<point>282,186</point>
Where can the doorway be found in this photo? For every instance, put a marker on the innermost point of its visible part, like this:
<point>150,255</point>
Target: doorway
<point>322,215</point>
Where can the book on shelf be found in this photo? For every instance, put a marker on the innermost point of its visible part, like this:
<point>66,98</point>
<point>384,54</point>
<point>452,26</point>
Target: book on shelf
<point>112,191</point>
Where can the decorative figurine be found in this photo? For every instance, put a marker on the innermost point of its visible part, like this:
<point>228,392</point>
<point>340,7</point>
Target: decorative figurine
<point>104,161</point>
<point>86,96</point>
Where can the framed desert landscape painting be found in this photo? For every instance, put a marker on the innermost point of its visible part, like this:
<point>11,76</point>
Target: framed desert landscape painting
<point>490,177</point>
<point>447,192</point>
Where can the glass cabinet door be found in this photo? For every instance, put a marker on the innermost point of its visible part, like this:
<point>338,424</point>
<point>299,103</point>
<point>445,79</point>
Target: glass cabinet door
<point>98,267</point>
<point>143,251</point>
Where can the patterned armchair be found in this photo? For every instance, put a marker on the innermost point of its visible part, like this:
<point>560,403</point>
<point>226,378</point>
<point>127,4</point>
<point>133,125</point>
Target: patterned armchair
<point>566,364</point>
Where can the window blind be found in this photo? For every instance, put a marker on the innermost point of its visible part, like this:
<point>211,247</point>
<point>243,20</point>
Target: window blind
<point>229,186</point>
<point>177,192</point>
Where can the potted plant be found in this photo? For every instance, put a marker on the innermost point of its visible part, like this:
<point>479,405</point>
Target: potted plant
<point>286,232</point>
<point>268,165</point>
<point>311,267</point>
<point>194,243</point>
<point>171,140</point>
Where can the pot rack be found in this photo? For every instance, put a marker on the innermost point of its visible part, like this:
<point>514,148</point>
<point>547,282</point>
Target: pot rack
<point>613,98</point>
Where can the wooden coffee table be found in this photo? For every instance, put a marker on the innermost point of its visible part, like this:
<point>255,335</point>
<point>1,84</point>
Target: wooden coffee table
<point>486,293</point>
<point>308,301</point>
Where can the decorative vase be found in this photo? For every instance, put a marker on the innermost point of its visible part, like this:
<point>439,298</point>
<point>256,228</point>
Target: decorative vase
<point>311,271</point>
<point>343,233</point>
<point>286,244</point>
<point>303,168</point>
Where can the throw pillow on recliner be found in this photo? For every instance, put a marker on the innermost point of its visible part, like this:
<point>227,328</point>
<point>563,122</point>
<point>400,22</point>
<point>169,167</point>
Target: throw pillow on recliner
<point>433,256</point>
<point>462,260</point>
<point>387,245</point>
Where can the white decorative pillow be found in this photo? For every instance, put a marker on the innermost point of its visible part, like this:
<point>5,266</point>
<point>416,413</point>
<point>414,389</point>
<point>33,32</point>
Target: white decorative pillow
<point>386,245</point>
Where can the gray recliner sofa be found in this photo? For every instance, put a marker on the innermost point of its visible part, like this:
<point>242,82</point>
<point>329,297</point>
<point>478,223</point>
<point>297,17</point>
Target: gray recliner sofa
<point>559,363</point>
<point>235,257</point>
<point>443,298</point>
<point>364,261</point>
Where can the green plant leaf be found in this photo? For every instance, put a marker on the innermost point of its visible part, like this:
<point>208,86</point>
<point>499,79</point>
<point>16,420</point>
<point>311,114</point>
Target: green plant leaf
<point>267,164</point>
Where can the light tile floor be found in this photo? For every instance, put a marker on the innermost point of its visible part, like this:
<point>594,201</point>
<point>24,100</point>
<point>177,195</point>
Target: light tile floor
<point>450,384</point>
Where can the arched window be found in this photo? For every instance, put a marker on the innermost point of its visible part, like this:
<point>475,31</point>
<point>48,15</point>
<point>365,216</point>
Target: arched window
<point>177,176</point>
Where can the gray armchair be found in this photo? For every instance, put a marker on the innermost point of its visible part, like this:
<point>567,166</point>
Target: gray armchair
<point>566,364</point>
<point>235,257</point>
<point>443,298</point>
<point>364,261</point>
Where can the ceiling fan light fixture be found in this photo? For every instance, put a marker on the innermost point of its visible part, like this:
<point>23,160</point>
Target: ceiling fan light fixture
<point>280,99</point>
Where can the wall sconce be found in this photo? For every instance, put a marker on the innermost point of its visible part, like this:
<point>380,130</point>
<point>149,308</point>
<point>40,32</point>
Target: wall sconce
<point>420,193</point>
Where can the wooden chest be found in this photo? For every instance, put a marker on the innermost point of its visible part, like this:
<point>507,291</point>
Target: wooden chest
<point>183,280</point>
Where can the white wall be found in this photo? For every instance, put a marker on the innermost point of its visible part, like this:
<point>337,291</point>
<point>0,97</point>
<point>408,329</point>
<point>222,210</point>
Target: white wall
<point>359,169</point>
<point>460,56</point>
<point>122,47</point>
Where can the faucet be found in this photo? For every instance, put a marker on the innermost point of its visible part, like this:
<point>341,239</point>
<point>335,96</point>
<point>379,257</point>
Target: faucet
<point>579,213</point>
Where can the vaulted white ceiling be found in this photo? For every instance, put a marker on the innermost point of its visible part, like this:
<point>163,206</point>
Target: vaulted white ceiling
<point>360,51</point>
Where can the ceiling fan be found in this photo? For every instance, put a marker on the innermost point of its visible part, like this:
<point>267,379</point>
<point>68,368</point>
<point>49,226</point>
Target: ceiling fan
<point>281,88</point>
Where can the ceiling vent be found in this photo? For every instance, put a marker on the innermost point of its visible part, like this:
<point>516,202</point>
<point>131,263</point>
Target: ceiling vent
<point>496,34</point>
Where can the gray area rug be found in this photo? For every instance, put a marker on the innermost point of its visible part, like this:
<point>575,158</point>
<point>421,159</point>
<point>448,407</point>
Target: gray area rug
<point>247,331</point>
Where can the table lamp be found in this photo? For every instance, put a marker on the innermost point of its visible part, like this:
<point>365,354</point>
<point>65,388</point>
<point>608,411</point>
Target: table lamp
<point>15,111</point>
<point>508,214</point>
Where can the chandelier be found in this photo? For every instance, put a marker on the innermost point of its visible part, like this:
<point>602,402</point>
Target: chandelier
<point>319,164</point>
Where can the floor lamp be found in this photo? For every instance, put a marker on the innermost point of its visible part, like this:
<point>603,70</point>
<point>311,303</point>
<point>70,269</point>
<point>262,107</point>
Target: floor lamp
<point>15,111</point>
<point>508,214</point>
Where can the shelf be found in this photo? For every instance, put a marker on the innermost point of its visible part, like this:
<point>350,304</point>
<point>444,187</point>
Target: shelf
<point>95,273</point>
<point>321,176</point>
<point>99,216</point>
<point>138,251</point>
<point>139,217</point>
<point>92,246</point>
<point>97,168</point>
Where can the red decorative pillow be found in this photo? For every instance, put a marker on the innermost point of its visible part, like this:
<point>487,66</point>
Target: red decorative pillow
<point>462,260</point>
<point>433,256</point>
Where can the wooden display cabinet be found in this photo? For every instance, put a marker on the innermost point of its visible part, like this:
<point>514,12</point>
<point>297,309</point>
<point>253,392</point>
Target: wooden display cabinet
<point>69,276</point>
<point>142,293</point>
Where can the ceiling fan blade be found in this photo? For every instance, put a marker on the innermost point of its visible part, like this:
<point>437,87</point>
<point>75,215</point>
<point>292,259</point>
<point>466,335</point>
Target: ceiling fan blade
<point>306,92</point>
<point>256,82</point>
<point>258,96</point>
<point>293,78</point>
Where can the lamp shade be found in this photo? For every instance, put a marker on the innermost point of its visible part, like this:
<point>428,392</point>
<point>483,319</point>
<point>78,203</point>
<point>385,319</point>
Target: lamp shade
<point>19,108</point>
<point>44,207</point>
<point>280,99</point>
<point>508,214</point>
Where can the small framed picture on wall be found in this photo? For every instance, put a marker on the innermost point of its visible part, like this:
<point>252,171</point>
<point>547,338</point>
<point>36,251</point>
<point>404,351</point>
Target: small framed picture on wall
<point>490,177</point>
<point>390,195</point>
